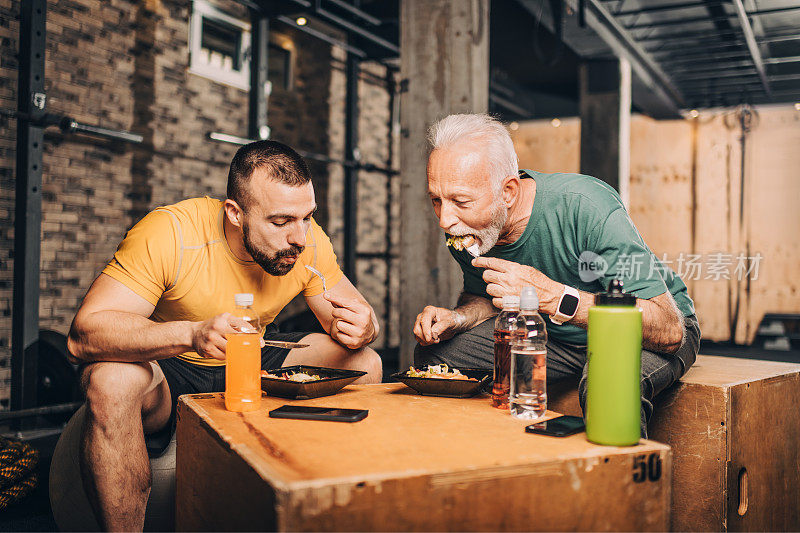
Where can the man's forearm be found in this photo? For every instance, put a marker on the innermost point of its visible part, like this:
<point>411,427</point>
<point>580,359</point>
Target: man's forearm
<point>662,322</point>
<point>663,327</point>
<point>120,336</point>
<point>473,310</point>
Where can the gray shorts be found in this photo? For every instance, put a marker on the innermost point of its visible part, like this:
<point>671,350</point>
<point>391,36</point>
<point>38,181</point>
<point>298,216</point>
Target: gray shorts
<point>475,349</point>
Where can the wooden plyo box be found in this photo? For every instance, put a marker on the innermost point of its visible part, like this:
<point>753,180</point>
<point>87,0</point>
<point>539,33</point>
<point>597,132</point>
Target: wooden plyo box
<point>734,429</point>
<point>415,463</point>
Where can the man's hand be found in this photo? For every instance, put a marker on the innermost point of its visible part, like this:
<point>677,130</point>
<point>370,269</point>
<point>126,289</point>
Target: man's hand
<point>208,337</point>
<point>352,324</point>
<point>435,324</point>
<point>506,277</point>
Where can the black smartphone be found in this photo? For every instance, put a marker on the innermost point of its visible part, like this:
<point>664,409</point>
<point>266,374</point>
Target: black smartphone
<point>305,412</point>
<point>558,427</point>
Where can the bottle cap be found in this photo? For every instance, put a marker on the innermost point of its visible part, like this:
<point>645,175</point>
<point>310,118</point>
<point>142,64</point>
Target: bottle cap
<point>615,295</point>
<point>528,299</point>
<point>243,299</point>
<point>510,300</point>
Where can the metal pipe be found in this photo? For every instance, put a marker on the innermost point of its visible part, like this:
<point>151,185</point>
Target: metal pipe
<point>704,47</point>
<point>750,39</point>
<point>70,126</point>
<point>687,35</point>
<point>658,9</point>
<point>776,37</point>
<point>713,84</point>
<point>714,67</point>
<point>353,28</point>
<point>324,37</point>
<point>675,22</point>
<point>624,45</point>
<point>363,15</point>
<point>783,77</point>
<point>36,411</point>
<point>508,104</point>
<point>781,60</point>
<point>678,22</point>
<point>779,38</point>
<point>317,9</point>
<point>700,58</point>
<point>711,76</point>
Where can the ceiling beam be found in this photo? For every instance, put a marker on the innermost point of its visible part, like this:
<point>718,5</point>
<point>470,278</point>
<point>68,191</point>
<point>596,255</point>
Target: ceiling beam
<point>752,45</point>
<point>657,9</point>
<point>622,43</point>
<point>676,60</point>
<point>683,22</point>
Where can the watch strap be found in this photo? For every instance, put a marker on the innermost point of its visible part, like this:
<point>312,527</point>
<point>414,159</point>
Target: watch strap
<point>561,316</point>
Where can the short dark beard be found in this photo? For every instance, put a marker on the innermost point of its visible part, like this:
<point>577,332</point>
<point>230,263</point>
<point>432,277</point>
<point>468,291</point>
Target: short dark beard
<point>271,265</point>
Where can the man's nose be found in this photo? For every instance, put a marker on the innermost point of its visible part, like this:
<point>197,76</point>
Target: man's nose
<point>447,216</point>
<point>297,236</point>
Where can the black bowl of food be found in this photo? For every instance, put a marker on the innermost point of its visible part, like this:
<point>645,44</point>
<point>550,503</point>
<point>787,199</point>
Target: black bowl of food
<point>441,380</point>
<point>302,382</point>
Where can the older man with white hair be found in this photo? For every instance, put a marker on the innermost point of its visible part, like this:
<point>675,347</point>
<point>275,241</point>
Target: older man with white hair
<point>568,235</point>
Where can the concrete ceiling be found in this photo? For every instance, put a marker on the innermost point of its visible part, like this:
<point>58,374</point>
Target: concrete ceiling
<point>684,54</point>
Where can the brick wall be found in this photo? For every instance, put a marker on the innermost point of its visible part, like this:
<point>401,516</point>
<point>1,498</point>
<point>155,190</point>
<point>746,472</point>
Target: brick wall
<point>378,146</point>
<point>124,65</point>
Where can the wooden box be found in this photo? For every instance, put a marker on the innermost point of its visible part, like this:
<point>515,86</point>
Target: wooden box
<point>734,429</point>
<point>415,463</point>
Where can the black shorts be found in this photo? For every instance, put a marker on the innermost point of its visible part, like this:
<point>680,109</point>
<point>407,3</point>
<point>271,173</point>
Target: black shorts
<point>187,378</point>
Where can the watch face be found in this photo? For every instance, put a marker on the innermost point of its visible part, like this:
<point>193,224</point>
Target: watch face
<point>569,304</point>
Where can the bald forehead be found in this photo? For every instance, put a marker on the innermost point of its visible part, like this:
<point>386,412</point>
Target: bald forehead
<point>466,163</point>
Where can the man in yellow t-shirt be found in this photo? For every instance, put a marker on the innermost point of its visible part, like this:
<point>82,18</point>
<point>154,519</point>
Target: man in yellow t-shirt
<point>153,324</point>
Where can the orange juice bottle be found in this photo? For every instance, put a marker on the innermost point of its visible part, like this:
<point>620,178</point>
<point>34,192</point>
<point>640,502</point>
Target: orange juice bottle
<point>243,360</point>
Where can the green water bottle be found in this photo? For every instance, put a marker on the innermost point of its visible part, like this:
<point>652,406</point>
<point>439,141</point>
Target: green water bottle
<point>613,388</point>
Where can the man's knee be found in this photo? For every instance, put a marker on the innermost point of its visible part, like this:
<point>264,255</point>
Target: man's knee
<point>112,388</point>
<point>471,349</point>
<point>427,355</point>
<point>370,362</point>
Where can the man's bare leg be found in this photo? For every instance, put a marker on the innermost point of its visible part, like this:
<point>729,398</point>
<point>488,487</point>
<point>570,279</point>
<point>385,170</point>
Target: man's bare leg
<point>121,404</point>
<point>324,351</point>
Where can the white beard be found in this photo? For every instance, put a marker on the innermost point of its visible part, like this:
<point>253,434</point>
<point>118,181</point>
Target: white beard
<point>487,237</point>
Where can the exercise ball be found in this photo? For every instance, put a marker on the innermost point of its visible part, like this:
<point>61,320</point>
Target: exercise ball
<point>71,508</point>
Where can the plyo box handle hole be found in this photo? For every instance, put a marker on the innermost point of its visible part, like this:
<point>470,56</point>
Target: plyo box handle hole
<point>742,491</point>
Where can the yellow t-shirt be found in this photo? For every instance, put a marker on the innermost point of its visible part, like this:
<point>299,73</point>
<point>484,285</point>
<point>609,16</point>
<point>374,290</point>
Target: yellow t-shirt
<point>177,259</point>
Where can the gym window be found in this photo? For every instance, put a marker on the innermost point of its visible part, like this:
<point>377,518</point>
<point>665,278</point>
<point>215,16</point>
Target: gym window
<point>219,46</point>
<point>280,61</point>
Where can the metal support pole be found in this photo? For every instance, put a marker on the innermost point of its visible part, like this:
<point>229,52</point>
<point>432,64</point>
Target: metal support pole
<point>31,100</point>
<point>259,87</point>
<point>351,174</point>
<point>752,46</point>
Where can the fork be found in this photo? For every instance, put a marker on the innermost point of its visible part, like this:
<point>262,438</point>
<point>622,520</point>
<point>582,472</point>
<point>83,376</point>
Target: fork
<point>319,274</point>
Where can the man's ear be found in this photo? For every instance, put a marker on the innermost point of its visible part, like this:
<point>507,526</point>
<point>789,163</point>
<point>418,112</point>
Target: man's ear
<point>234,212</point>
<point>510,190</point>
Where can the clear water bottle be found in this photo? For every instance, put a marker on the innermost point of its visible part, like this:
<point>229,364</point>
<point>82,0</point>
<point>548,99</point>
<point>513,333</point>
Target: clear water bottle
<point>528,392</point>
<point>504,328</point>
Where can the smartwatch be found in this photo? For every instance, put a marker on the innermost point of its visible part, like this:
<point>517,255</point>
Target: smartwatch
<point>567,305</point>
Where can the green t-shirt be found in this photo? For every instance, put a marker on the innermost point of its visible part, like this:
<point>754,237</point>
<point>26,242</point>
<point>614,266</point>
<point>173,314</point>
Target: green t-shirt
<point>580,234</point>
